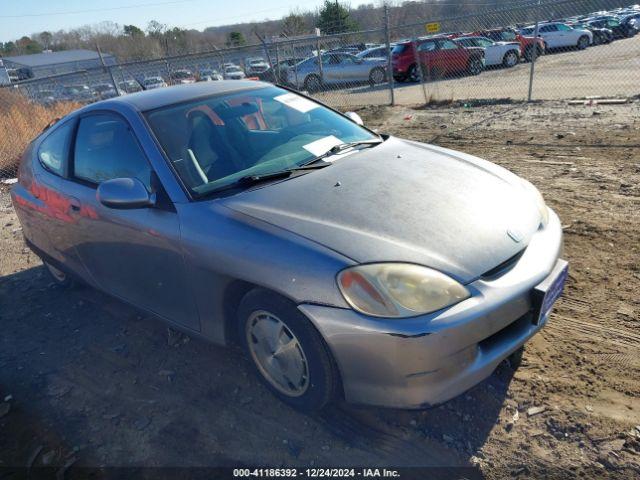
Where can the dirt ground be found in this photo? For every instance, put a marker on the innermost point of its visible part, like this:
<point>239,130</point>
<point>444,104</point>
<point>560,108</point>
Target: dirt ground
<point>88,381</point>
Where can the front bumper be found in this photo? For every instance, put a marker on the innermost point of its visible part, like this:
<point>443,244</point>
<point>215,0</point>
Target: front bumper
<point>426,360</point>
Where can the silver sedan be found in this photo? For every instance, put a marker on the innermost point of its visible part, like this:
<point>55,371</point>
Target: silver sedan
<point>336,69</point>
<point>345,263</point>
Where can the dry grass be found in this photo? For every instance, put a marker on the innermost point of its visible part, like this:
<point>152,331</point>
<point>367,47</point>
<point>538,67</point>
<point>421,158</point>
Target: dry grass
<point>20,122</point>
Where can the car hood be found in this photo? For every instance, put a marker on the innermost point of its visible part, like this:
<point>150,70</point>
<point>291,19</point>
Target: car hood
<point>404,201</point>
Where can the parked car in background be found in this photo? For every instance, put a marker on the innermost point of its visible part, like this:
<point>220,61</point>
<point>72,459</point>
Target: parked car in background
<point>182,77</point>
<point>560,35</point>
<point>233,72</point>
<point>631,21</point>
<point>403,285</point>
<point>506,54</point>
<point>337,69</point>
<point>527,43</point>
<point>600,35</point>
<point>150,83</point>
<point>209,75</point>
<point>619,29</point>
<point>375,52</point>
<point>44,97</point>
<point>78,93</point>
<point>129,86</point>
<point>104,91</point>
<point>255,66</point>
<point>4,76</point>
<point>438,56</point>
<point>278,72</point>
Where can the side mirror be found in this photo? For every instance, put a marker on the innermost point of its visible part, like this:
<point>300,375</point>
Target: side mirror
<point>354,117</point>
<point>124,193</point>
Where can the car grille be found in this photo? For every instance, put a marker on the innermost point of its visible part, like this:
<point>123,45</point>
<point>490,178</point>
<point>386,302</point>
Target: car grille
<point>503,268</point>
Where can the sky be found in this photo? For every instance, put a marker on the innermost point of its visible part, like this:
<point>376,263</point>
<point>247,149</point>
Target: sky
<point>24,17</point>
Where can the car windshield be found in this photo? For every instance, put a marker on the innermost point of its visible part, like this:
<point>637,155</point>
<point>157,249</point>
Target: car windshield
<point>182,74</point>
<point>150,81</point>
<point>399,49</point>
<point>216,141</point>
<point>233,69</point>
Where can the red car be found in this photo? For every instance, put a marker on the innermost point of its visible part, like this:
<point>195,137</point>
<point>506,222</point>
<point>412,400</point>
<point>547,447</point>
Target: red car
<point>511,35</point>
<point>438,56</point>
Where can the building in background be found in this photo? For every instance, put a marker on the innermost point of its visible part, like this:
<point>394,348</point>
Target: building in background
<point>51,63</point>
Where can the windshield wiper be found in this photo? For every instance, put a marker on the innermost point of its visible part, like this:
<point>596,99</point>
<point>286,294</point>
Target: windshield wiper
<point>344,146</point>
<point>265,177</point>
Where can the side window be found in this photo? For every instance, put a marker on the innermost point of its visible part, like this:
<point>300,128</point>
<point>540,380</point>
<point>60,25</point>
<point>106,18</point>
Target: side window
<point>105,148</point>
<point>548,28</point>
<point>54,150</point>
<point>564,28</point>
<point>427,47</point>
<point>447,45</point>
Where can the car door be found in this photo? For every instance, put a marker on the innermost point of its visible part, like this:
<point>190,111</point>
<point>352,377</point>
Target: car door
<point>133,254</point>
<point>354,68</point>
<point>551,35</point>
<point>452,56</point>
<point>568,36</point>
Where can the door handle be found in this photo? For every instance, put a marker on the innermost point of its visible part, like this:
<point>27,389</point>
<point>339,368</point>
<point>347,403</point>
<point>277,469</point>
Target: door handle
<point>74,203</point>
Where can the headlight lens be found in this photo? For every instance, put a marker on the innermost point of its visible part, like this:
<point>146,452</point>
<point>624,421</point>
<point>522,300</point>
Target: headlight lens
<point>539,199</point>
<point>398,289</point>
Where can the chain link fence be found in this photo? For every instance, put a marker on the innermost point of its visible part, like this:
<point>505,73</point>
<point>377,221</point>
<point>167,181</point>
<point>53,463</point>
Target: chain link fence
<point>589,49</point>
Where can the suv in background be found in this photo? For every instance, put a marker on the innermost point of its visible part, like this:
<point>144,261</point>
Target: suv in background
<point>438,56</point>
<point>183,76</point>
<point>527,44</point>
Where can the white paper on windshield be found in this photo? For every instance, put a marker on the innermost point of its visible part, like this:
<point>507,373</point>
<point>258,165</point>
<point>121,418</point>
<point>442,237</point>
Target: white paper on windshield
<point>294,101</point>
<point>323,145</point>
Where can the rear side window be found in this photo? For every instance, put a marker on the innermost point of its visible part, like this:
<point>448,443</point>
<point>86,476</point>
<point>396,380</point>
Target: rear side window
<point>106,148</point>
<point>54,150</point>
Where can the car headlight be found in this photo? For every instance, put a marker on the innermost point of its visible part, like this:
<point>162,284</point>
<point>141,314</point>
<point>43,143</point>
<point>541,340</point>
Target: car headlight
<point>398,289</point>
<point>539,199</point>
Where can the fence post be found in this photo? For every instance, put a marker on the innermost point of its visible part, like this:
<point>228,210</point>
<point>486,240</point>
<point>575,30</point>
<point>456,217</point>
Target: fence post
<point>104,65</point>
<point>276,70</point>
<point>319,57</point>
<point>387,37</point>
<point>534,53</point>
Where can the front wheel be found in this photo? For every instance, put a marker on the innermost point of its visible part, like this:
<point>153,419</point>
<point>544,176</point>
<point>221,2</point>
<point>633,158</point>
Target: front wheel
<point>583,42</point>
<point>376,76</point>
<point>510,59</point>
<point>412,73</point>
<point>287,352</point>
<point>475,66</point>
<point>312,83</point>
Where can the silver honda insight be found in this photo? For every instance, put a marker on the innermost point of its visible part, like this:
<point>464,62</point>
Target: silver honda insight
<point>347,264</point>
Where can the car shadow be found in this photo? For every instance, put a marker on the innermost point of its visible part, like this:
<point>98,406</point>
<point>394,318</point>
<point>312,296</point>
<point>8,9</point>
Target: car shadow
<point>101,383</point>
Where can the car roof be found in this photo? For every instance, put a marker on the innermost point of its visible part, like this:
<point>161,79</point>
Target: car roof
<point>162,97</point>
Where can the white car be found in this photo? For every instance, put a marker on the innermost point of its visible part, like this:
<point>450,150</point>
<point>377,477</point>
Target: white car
<point>233,73</point>
<point>495,53</point>
<point>561,35</point>
<point>150,83</point>
<point>253,66</point>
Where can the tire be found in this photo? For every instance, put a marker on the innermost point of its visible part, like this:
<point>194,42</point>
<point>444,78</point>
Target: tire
<point>511,59</point>
<point>377,76</point>
<point>597,40</point>
<point>312,83</point>
<point>399,78</point>
<point>59,277</point>
<point>583,42</point>
<point>412,73</point>
<point>305,376</point>
<point>475,66</point>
